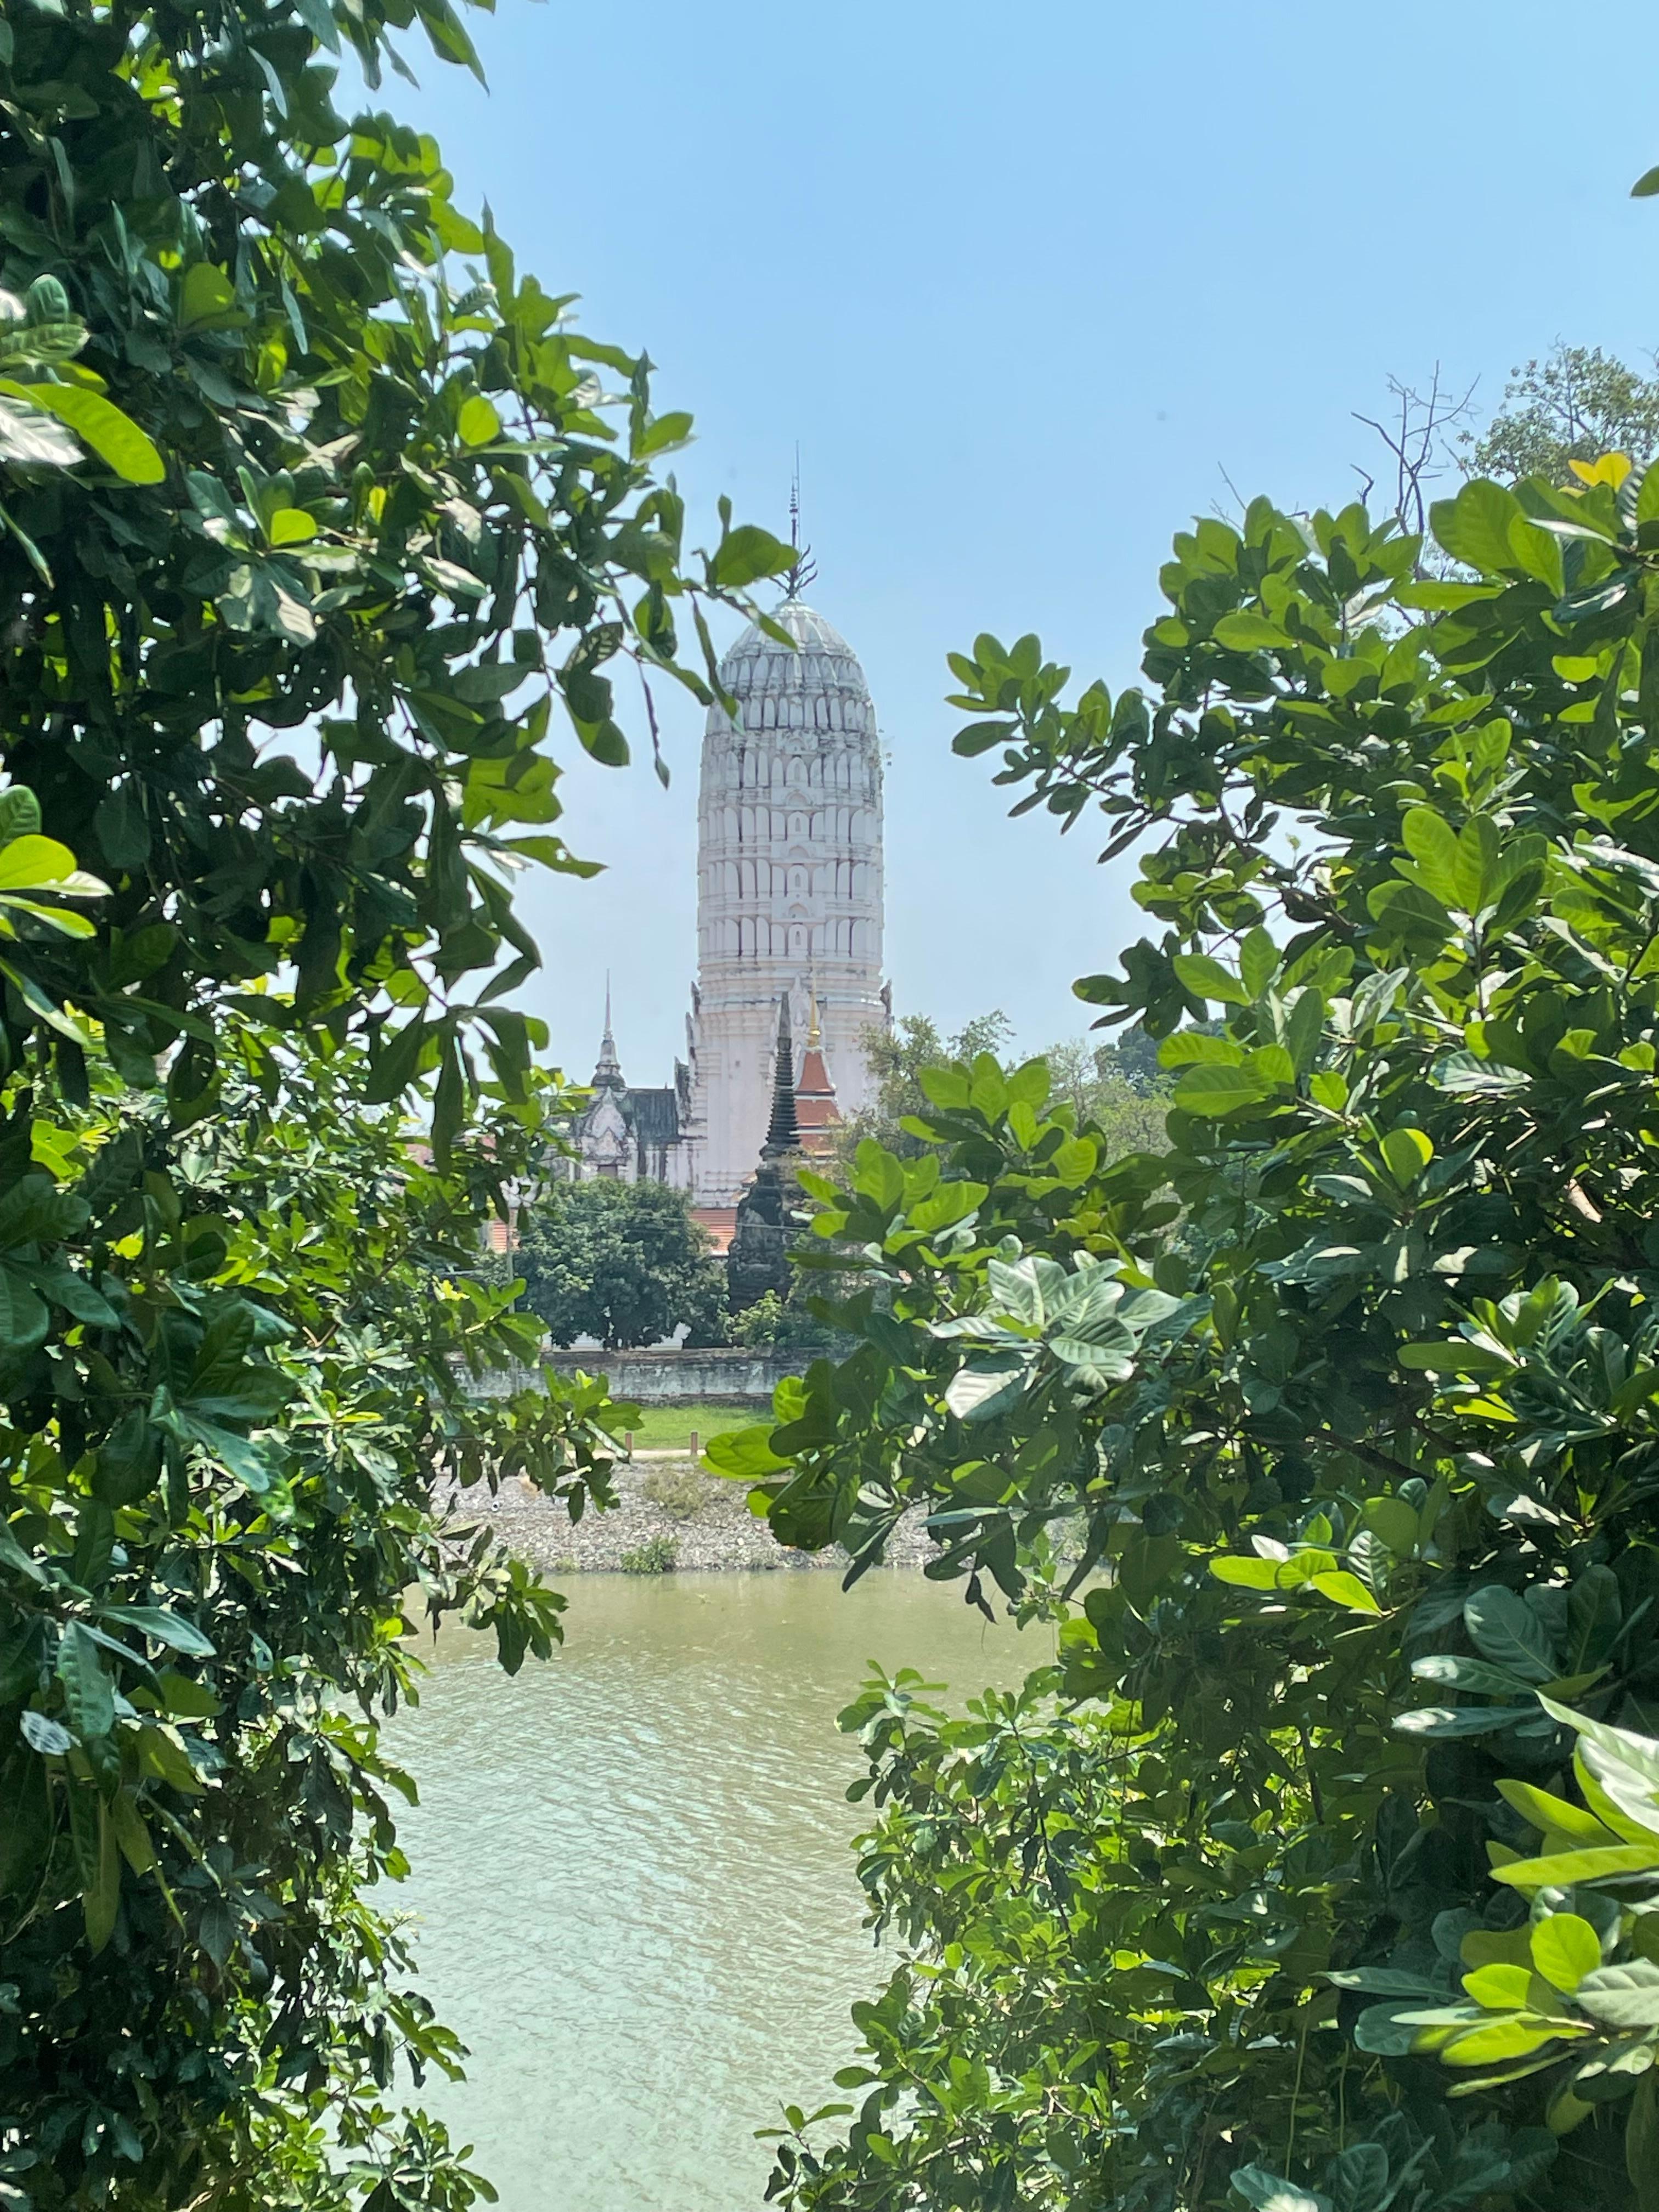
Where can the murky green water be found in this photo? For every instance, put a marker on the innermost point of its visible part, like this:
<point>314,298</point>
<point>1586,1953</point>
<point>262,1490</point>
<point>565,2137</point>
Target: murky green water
<point>635,1896</point>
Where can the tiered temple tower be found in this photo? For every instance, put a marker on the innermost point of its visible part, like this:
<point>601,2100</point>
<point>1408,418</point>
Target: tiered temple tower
<point>789,886</point>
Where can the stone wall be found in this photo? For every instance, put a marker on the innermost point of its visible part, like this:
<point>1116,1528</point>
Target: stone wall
<point>666,1378</point>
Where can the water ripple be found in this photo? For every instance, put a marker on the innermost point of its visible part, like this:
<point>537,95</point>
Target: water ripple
<point>631,1882</point>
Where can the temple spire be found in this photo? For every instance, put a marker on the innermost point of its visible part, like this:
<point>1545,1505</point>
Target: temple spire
<point>607,1074</point>
<point>783,1133</point>
<point>803,568</point>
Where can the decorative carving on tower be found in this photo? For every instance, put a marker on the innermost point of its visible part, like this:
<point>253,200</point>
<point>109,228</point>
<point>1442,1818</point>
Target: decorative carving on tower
<point>789,882</point>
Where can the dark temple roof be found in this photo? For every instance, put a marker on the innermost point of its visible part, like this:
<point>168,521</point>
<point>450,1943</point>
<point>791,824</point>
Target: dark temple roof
<point>653,1116</point>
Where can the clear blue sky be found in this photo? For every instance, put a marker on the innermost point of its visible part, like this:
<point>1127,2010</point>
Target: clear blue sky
<point>1023,283</point>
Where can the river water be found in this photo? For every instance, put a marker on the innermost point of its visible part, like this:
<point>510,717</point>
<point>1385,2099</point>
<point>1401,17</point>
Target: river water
<point>633,1892</point>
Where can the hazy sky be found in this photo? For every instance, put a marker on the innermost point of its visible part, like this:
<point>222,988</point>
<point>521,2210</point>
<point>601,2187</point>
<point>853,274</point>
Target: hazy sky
<point>1023,283</point>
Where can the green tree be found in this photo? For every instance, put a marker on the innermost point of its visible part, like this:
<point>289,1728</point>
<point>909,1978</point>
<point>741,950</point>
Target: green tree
<point>1120,1089</point>
<point>1575,405</point>
<point>273,460</point>
<point>1364,1423</point>
<point>896,1057</point>
<point>623,1262</point>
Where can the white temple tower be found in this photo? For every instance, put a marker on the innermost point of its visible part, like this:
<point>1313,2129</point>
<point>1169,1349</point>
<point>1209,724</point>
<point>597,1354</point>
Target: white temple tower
<point>789,886</point>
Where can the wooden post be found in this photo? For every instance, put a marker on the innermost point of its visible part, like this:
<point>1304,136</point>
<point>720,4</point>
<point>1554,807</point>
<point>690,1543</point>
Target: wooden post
<point>628,1442</point>
<point>696,1449</point>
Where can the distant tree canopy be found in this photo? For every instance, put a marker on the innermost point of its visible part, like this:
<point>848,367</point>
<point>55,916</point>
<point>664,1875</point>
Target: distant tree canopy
<point>1574,404</point>
<point>1119,1088</point>
<point>623,1262</point>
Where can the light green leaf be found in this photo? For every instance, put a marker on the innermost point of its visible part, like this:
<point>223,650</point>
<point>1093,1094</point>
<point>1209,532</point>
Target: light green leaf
<point>742,1454</point>
<point>1346,1590</point>
<point>114,437</point>
<point>1560,1870</point>
<point>478,423</point>
<point>1565,1949</point>
<point>1432,843</point>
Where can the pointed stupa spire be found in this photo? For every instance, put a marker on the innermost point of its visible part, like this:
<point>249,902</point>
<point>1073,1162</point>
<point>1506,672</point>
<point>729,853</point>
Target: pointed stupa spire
<point>783,1133</point>
<point>607,1074</point>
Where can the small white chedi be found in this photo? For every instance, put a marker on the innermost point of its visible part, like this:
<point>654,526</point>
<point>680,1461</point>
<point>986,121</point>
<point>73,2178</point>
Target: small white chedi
<point>789,903</point>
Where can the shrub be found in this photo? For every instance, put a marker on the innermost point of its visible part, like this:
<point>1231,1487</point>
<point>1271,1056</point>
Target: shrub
<point>657,1555</point>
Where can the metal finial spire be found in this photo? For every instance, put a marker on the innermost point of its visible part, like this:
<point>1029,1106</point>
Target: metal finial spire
<point>803,568</point>
<point>814,1033</point>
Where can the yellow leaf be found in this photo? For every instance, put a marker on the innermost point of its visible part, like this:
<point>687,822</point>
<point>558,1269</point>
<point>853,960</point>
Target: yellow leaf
<point>1611,469</point>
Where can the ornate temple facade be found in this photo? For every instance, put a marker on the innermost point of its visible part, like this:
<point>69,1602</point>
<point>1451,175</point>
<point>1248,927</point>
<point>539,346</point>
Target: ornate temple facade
<point>789,908</point>
<point>789,886</point>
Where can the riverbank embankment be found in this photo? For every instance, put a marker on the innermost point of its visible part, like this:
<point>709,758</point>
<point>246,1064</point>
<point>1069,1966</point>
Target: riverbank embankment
<point>670,1513</point>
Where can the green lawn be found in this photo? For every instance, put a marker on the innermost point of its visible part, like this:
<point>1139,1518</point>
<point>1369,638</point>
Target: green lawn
<point>665,1428</point>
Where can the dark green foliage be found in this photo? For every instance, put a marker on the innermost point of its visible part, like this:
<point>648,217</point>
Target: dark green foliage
<point>786,1324</point>
<point>274,473</point>
<point>622,1262</point>
<point>1361,1419</point>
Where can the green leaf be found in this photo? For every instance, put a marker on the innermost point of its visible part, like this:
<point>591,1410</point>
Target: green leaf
<point>1208,979</point>
<point>1561,1869</point>
<point>1247,1574</point>
<point>1624,1995</point>
<point>165,1626</point>
<point>1432,843</point>
<point>89,1693</point>
<point>746,555</point>
<point>478,423</point>
<point>207,300</point>
<point>1250,633</point>
<point>1395,1522</point>
<point>1475,528</point>
<point>114,437</point>
<point>1406,1153</point>
<point>986,1386</point>
<point>1346,1590</point>
<point>1505,1629</point>
<point>1565,1949</point>
<point>24,1320</point>
<point>101,1896</point>
<point>290,525</point>
<point>41,863</point>
<point>32,438</point>
<point>1268,2193</point>
<point>1214,1091</point>
<point>1504,2039</point>
<point>1550,1814</point>
<point>742,1454</point>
